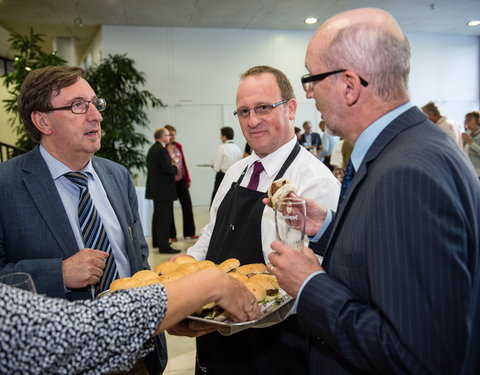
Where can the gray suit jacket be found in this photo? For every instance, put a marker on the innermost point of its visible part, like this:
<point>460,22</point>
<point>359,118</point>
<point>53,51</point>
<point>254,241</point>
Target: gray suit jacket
<point>400,292</point>
<point>35,234</point>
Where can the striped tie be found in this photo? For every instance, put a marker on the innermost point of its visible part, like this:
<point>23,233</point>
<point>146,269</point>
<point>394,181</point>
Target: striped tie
<point>93,231</point>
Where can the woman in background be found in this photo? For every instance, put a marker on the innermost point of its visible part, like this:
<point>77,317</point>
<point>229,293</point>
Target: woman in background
<point>182,183</point>
<point>471,139</point>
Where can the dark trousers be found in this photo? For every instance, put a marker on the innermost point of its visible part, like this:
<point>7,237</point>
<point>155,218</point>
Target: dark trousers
<point>183,194</point>
<point>218,180</point>
<point>161,221</point>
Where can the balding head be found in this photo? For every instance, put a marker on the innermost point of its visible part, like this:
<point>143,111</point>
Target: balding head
<point>368,41</point>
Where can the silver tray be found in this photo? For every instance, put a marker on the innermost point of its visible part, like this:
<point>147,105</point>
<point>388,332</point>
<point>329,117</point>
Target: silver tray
<point>272,313</point>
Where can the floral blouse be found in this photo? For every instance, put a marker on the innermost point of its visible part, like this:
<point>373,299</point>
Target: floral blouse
<point>41,335</point>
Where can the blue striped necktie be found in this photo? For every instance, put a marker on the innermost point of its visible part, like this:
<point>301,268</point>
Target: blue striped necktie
<point>349,174</point>
<point>93,231</point>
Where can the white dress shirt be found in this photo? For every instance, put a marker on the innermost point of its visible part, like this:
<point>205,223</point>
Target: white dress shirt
<point>309,175</point>
<point>228,153</point>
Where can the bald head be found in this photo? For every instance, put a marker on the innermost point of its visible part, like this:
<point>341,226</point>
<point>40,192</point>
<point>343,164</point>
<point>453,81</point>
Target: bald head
<point>368,41</point>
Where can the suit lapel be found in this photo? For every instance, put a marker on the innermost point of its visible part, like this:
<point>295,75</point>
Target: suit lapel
<point>409,118</point>
<point>115,198</point>
<point>43,191</point>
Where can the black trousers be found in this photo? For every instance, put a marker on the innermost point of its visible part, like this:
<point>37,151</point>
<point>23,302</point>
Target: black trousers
<point>218,180</point>
<point>183,194</point>
<point>161,221</point>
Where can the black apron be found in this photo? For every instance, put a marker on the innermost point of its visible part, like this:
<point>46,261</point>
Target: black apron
<point>279,349</point>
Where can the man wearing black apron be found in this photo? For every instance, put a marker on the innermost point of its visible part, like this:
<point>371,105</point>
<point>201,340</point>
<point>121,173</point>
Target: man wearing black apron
<point>242,227</point>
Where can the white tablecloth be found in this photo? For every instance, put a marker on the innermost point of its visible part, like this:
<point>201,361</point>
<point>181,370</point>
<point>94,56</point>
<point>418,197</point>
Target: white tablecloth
<point>145,210</point>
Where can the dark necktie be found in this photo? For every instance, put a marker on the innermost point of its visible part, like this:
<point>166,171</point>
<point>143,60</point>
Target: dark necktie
<point>93,231</point>
<point>255,177</point>
<point>349,174</point>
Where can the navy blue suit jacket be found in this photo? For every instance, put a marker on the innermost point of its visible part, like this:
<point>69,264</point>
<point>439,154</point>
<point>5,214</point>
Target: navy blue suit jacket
<point>401,288</point>
<point>316,140</point>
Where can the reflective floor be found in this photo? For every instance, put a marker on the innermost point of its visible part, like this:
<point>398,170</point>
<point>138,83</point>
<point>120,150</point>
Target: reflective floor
<point>181,350</point>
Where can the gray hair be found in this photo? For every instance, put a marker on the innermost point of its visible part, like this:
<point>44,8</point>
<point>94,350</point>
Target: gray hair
<point>376,55</point>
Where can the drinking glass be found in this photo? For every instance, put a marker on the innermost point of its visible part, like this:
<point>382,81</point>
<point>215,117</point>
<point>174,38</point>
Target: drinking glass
<point>21,280</point>
<point>290,215</point>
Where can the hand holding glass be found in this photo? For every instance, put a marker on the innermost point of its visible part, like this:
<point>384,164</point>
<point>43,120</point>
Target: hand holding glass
<point>290,217</point>
<point>21,280</point>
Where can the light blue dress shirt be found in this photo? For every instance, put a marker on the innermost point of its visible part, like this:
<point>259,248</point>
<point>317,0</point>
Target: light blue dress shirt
<point>69,194</point>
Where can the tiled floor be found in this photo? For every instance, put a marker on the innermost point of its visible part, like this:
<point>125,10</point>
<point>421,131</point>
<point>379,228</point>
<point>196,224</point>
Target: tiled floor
<point>181,350</point>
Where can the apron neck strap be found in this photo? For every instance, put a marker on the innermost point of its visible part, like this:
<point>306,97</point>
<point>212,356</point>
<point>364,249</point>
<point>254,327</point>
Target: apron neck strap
<point>286,164</point>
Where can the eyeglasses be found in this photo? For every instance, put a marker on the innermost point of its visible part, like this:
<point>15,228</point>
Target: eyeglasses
<point>81,106</point>
<point>308,79</point>
<point>262,109</point>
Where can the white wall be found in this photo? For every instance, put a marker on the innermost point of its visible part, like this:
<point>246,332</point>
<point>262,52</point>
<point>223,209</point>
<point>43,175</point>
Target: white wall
<point>196,71</point>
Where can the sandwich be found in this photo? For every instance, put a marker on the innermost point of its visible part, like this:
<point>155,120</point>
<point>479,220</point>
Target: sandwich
<point>279,189</point>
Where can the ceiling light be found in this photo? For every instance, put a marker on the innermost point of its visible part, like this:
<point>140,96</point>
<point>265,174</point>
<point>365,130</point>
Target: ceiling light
<point>310,20</point>
<point>473,23</point>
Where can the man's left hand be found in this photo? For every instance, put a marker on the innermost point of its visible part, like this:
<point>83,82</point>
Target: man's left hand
<point>292,267</point>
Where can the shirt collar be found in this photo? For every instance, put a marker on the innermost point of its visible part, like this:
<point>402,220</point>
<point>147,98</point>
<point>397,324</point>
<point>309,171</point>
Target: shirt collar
<point>274,161</point>
<point>368,136</point>
<point>57,168</point>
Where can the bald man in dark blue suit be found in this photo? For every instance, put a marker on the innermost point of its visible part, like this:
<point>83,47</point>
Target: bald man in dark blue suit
<point>398,289</point>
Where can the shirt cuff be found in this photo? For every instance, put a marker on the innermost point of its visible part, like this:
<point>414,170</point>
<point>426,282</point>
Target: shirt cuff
<point>293,310</point>
<point>323,228</point>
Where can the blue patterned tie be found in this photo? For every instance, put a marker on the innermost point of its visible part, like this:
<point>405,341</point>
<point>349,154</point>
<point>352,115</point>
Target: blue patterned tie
<point>93,231</point>
<point>349,174</point>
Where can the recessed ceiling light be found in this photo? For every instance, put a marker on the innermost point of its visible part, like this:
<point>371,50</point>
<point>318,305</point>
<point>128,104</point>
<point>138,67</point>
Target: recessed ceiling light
<point>473,23</point>
<point>310,20</point>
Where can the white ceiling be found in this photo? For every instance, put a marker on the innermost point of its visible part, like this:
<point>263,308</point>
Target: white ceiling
<point>56,17</point>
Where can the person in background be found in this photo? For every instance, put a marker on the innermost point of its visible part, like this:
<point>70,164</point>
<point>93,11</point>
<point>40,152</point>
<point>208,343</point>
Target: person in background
<point>471,139</point>
<point>242,227</point>
<point>398,291</point>
<point>182,185</point>
<point>160,186</point>
<point>328,142</point>
<point>108,334</point>
<point>44,191</point>
<point>247,151</point>
<point>309,139</point>
<point>298,132</point>
<point>227,154</point>
<point>432,110</point>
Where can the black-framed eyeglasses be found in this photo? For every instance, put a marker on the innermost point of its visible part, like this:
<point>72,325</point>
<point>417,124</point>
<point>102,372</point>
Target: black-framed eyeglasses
<point>308,79</point>
<point>81,106</point>
<point>262,109</point>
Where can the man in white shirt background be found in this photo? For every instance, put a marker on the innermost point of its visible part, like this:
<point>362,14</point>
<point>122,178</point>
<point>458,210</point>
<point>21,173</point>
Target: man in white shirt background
<point>227,154</point>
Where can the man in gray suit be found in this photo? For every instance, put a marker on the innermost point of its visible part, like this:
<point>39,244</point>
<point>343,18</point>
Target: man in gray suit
<point>39,224</point>
<point>398,290</point>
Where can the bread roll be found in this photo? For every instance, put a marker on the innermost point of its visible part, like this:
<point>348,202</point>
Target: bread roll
<point>185,259</point>
<point>188,268</point>
<point>124,283</point>
<point>239,276</point>
<point>145,275</point>
<point>206,264</point>
<point>166,267</point>
<point>175,275</point>
<point>258,291</point>
<point>279,189</point>
<point>229,264</point>
<point>252,269</point>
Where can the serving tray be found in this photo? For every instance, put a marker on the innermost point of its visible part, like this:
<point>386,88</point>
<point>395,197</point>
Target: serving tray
<point>272,313</point>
